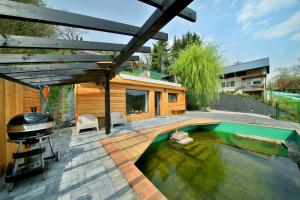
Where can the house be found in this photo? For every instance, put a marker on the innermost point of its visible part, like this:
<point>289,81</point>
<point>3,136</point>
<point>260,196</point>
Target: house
<point>139,97</point>
<point>14,99</point>
<point>247,78</point>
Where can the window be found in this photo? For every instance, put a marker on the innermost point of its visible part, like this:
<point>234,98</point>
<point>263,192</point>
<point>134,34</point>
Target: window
<point>172,97</point>
<point>232,83</point>
<point>136,101</point>
<point>228,84</point>
<point>223,84</point>
<point>256,82</point>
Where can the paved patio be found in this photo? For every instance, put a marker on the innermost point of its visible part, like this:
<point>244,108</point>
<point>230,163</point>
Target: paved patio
<point>85,170</point>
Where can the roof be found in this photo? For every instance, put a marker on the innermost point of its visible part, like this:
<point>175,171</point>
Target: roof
<point>148,80</point>
<point>153,74</point>
<point>157,75</point>
<point>255,64</point>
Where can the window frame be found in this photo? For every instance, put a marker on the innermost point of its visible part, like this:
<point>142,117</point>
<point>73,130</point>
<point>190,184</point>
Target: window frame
<point>171,93</point>
<point>146,108</point>
<point>232,83</point>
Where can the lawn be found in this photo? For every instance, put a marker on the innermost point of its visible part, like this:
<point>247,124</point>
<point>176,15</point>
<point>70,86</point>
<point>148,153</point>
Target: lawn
<point>288,105</point>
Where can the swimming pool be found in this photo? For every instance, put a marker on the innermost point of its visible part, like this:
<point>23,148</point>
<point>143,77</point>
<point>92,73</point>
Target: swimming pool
<point>222,163</point>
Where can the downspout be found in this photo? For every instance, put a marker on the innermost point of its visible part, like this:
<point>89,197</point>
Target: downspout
<point>48,107</point>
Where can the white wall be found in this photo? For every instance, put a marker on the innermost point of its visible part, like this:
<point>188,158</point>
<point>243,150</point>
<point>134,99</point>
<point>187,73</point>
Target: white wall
<point>237,81</point>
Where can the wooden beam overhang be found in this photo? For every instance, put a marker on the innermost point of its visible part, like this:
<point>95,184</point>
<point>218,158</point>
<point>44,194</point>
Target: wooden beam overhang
<point>169,9</point>
<point>186,13</point>
<point>27,12</point>
<point>68,82</point>
<point>54,72</point>
<point>62,78</point>
<point>35,70</point>
<point>51,58</point>
<point>12,41</point>
<point>43,74</point>
<point>9,69</point>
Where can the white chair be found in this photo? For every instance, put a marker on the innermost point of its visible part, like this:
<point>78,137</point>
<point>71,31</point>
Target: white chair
<point>117,118</point>
<point>87,121</point>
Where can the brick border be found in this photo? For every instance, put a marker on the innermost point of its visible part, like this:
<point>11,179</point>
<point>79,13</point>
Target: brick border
<point>139,182</point>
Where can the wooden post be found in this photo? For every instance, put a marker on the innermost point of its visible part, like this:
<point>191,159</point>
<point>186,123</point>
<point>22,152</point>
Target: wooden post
<point>277,110</point>
<point>107,103</point>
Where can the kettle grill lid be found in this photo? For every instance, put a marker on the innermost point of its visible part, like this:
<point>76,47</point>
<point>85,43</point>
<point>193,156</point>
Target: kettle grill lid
<point>30,119</point>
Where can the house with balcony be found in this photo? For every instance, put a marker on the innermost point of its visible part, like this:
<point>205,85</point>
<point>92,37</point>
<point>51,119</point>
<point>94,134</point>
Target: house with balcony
<point>248,78</point>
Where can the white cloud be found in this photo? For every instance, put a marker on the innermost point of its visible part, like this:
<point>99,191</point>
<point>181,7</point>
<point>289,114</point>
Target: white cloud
<point>291,25</point>
<point>296,36</point>
<point>253,9</point>
<point>253,17</point>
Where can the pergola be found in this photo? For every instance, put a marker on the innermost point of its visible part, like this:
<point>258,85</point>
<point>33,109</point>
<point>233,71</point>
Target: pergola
<point>40,70</point>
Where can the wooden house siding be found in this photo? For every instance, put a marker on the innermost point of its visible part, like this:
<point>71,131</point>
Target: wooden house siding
<point>90,98</point>
<point>14,99</point>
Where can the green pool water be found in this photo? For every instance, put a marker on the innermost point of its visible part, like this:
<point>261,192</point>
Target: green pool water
<point>220,165</point>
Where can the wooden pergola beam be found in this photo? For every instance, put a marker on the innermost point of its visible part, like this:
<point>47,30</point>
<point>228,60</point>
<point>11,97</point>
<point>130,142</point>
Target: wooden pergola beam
<point>169,9</point>
<point>67,82</point>
<point>57,73</point>
<point>43,74</point>
<point>51,58</point>
<point>62,78</point>
<point>11,41</point>
<point>186,13</point>
<point>27,12</point>
<point>15,80</point>
<point>9,69</point>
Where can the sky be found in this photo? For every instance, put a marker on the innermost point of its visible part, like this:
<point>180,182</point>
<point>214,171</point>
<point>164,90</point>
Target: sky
<point>244,30</point>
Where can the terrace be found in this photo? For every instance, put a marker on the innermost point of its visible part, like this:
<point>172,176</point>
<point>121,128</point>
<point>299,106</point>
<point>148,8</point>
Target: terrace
<point>102,164</point>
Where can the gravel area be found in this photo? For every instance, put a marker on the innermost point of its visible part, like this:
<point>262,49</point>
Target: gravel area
<point>234,103</point>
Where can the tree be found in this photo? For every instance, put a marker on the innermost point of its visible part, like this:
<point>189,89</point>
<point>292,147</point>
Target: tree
<point>198,68</point>
<point>160,56</point>
<point>69,33</point>
<point>146,61</point>
<point>14,27</point>
<point>288,79</point>
<point>180,44</point>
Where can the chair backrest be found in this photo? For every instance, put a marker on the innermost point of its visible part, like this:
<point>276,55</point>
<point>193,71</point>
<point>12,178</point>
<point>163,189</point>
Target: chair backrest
<point>118,117</point>
<point>86,118</point>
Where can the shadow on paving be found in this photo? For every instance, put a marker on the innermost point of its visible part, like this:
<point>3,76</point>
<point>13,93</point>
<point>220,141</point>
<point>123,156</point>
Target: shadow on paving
<point>84,171</point>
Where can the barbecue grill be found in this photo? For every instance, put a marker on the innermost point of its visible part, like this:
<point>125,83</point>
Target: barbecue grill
<point>29,129</point>
<point>30,125</point>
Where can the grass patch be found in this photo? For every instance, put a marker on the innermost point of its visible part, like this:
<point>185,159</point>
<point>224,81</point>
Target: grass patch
<point>287,105</point>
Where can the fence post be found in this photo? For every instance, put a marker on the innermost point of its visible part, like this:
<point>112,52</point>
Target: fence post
<point>298,111</point>
<point>277,110</point>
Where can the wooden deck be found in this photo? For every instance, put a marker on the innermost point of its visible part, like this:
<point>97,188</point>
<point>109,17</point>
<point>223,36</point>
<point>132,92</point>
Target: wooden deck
<point>125,150</point>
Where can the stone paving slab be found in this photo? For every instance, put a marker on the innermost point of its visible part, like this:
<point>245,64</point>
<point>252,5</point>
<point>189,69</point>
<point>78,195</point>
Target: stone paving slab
<point>84,171</point>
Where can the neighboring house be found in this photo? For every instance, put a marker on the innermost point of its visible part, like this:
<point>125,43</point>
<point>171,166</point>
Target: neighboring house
<point>139,97</point>
<point>14,99</point>
<point>248,77</point>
